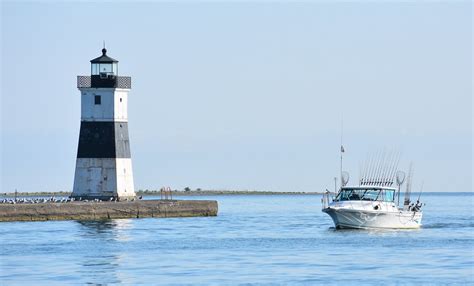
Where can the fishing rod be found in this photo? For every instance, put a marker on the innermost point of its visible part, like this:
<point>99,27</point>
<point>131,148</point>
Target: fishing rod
<point>421,191</point>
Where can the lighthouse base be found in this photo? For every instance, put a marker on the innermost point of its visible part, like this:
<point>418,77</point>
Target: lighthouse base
<point>103,179</point>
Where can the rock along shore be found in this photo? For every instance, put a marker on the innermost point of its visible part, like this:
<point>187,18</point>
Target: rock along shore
<point>80,210</point>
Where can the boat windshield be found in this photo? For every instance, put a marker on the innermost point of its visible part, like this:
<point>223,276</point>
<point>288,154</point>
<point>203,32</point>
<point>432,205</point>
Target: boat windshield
<point>366,195</point>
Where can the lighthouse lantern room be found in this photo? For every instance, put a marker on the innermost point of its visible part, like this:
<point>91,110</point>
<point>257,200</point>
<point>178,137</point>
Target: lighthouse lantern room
<point>104,70</point>
<point>103,164</point>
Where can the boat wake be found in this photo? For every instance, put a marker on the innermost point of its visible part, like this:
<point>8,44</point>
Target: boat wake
<point>449,225</point>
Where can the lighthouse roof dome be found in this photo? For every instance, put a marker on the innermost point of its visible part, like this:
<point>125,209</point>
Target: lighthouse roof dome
<point>104,58</point>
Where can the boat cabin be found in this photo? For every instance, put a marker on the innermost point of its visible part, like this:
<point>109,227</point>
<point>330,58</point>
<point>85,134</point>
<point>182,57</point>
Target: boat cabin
<point>366,193</point>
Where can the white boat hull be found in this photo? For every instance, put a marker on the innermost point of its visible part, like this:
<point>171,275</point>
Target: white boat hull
<point>356,218</point>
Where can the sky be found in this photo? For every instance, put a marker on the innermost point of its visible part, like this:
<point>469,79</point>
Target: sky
<point>244,95</point>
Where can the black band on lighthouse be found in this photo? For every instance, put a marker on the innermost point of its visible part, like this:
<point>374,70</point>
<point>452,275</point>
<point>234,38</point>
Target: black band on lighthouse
<point>103,140</point>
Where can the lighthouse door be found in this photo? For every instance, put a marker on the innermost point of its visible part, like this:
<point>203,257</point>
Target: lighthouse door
<point>95,175</point>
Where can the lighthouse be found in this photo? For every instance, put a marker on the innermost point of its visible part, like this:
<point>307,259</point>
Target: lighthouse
<point>104,163</point>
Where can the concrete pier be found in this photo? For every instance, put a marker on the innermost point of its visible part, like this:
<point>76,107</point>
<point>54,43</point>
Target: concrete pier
<point>107,210</point>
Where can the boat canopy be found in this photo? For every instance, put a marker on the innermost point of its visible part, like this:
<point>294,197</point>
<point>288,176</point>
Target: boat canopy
<point>366,194</point>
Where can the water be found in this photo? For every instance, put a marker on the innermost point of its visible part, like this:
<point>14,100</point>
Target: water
<point>255,239</point>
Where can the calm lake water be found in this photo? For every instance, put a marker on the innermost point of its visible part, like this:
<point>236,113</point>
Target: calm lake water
<point>254,239</point>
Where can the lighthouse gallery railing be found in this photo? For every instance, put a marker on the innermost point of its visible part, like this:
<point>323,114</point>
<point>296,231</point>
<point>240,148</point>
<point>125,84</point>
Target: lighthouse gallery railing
<point>84,81</point>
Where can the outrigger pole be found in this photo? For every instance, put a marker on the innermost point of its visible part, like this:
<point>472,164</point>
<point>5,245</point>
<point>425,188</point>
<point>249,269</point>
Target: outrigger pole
<point>342,149</point>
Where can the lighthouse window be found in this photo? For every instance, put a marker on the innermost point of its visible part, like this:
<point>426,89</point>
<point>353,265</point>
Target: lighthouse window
<point>120,99</point>
<point>97,99</point>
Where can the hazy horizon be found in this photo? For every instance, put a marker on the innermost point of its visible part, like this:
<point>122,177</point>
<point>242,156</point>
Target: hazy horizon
<point>245,95</point>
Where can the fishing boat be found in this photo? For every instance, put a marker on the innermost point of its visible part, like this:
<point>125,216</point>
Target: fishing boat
<point>374,202</point>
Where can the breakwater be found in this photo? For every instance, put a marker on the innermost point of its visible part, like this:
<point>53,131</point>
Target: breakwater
<point>81,210</point>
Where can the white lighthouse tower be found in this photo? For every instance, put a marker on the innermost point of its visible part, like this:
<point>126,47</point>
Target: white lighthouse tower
<point>103,164</point>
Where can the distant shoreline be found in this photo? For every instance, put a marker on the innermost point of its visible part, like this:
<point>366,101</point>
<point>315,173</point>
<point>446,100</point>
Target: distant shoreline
<point>146,193</point>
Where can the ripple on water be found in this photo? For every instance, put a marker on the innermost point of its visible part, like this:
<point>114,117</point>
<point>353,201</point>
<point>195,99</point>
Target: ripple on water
<point>255,240</point>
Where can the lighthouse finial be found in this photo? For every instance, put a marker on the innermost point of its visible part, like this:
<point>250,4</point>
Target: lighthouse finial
<point>104,50</point>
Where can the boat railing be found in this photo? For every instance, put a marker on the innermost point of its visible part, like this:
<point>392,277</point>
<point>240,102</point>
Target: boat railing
<point>326,199</point>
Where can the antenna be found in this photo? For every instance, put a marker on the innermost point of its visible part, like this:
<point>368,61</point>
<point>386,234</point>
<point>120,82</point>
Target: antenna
<point>104,44</point>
